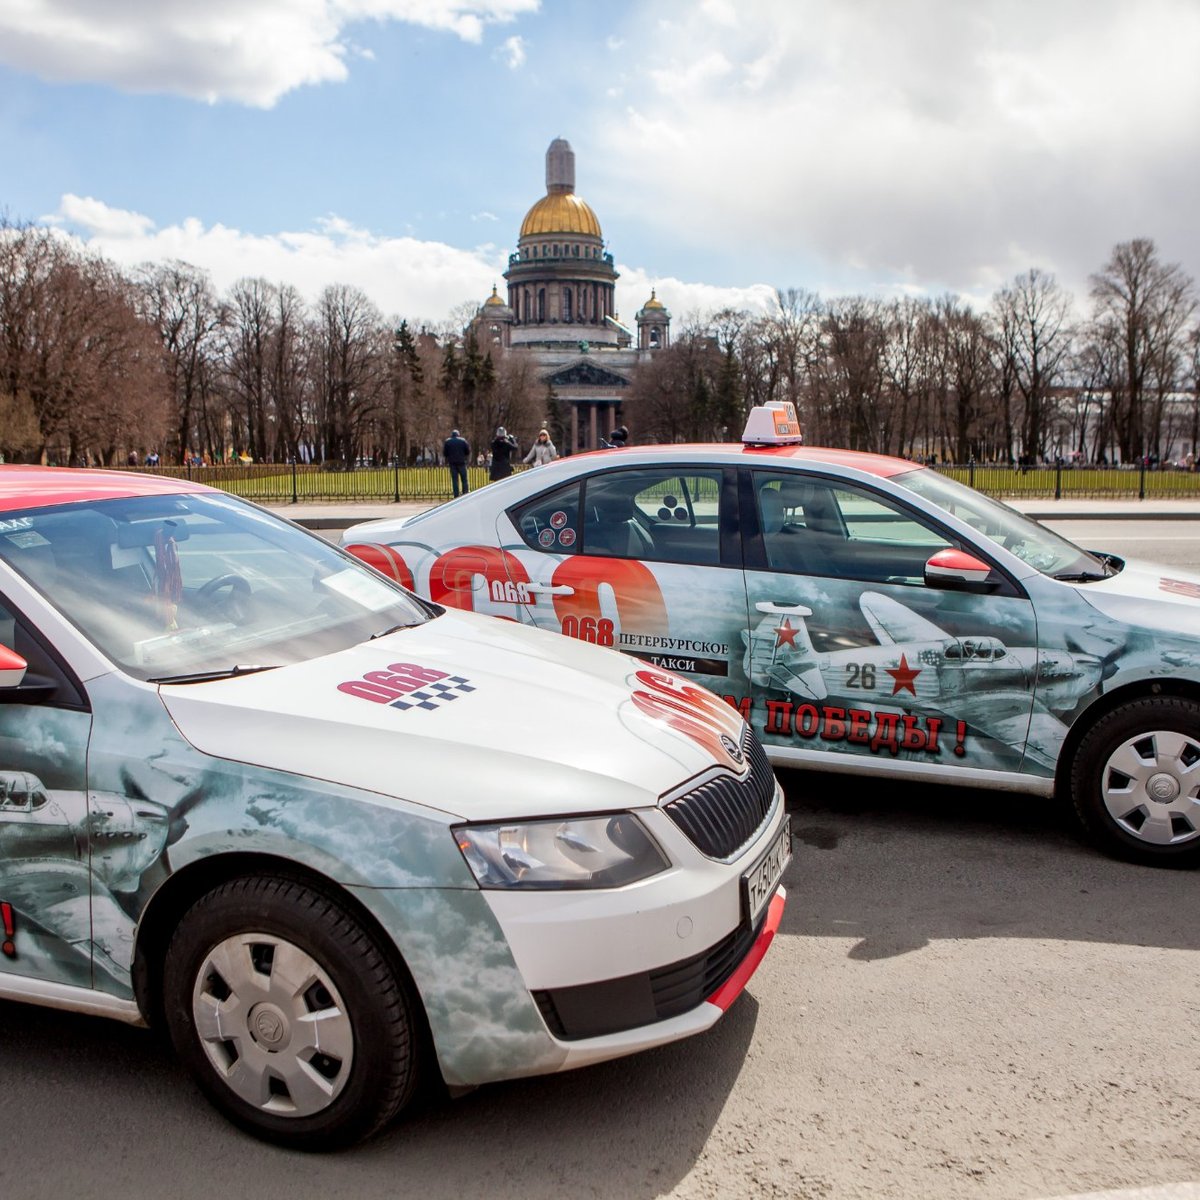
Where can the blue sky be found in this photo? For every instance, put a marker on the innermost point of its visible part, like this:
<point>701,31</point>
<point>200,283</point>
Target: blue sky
<point>727,146</point>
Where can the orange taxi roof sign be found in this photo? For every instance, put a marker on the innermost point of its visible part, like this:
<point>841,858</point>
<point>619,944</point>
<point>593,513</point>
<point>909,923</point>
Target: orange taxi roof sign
<point>774,424</point>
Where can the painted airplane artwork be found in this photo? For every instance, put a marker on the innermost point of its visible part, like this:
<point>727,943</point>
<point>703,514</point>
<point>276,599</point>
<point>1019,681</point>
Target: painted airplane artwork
<point>918,666</point>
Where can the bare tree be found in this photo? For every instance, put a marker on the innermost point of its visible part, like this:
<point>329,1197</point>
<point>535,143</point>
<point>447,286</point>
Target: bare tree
<point>1036,312</point>
<point>852,375</point>
<point>350,349</point>
<point>178,301</point>
<point>968,360</point>
<point>1142,306</point>
<point>249,329</point>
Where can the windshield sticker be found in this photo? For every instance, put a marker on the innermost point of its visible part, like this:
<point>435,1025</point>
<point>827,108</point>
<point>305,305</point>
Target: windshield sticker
<point>546,538</point>
<point>567,537</point>
<point>16,523</point>
<point>408,685</point>
<point>362,588</point>
<point>558,519</point>
<point>23,540</point>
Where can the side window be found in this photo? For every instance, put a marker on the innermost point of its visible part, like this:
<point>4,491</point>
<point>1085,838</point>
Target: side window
<point>551,522</point>
<point>870,519</point>
<point>814,526</point>
<point>658,515</point>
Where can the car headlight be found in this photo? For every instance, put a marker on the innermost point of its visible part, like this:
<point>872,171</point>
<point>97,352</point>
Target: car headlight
<point>572,852</point>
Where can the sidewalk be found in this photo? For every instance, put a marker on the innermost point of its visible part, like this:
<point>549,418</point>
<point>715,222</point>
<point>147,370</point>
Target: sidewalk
<point>342,514</point>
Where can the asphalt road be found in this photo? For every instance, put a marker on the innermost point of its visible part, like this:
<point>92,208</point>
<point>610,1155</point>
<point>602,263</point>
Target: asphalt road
<point>963,1001</point>
<point>1174,543</point>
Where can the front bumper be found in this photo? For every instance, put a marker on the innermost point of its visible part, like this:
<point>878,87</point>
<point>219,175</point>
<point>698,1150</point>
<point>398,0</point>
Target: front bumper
<point>691,1014</point>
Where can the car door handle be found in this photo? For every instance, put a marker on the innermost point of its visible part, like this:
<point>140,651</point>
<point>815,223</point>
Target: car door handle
<point>786,610</point>
<point>555,589</point>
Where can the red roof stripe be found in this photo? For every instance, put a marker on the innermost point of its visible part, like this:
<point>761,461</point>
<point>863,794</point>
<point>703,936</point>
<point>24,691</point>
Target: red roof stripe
<point>24,487</point>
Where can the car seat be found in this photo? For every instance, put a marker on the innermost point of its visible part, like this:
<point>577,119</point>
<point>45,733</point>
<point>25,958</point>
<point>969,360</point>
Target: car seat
<point>611,529</point>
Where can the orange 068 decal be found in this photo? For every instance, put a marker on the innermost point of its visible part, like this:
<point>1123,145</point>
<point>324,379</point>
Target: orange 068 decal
<point>386,560</point>
<point>637,600</point>
<point>452,576</point>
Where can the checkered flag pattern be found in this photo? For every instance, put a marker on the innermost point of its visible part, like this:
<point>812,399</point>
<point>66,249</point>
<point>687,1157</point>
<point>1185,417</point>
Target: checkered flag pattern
<point>434,695</point>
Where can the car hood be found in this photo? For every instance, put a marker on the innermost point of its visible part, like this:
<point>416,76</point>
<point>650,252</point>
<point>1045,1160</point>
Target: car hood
<point>1149,595</point>
<point>493,720</point>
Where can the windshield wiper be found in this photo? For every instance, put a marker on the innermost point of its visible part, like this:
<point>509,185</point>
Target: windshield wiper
<point>393,629</point>
<point>209,676</point>
<point>1081,576</point>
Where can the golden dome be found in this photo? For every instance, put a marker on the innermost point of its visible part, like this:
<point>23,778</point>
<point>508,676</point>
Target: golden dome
<point>654,301</point>
<point>560,212</point>
<point>493,301</point>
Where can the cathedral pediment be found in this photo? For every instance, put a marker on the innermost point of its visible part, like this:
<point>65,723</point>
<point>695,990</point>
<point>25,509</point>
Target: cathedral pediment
<point>587,374</point>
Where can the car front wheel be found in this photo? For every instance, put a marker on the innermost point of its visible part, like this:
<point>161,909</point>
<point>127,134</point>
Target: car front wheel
<point>287,1013</point>
<point>1135,781</point>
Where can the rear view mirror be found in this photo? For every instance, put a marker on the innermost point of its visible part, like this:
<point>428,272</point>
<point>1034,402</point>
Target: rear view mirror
<point>135,534</point>
<point>956,570</point>
<point>12,668</point>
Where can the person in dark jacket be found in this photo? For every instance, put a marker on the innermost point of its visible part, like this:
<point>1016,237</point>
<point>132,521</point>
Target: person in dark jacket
<point>456,450</point>
<point>503,447</point>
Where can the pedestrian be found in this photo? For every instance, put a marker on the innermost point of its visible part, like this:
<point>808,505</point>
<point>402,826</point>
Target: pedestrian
<point>503,446</point>
<point>618,437</point>
<point>456,450</point>
<point>542,451</point>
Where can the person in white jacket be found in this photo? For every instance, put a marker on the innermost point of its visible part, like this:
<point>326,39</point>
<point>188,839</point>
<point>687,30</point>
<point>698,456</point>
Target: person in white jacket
<point>542,451</point>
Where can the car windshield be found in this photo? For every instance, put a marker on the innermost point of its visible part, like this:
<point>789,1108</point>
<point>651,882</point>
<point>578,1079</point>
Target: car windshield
<point>1032,543</point>
<point>200,585</point>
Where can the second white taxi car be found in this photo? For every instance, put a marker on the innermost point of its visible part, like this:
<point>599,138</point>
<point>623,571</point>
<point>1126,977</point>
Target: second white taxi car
<point>862,612</point>
<point>331,834</point>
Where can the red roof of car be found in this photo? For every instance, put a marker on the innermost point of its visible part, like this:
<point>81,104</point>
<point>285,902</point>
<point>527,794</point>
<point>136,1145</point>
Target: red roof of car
<point>41,487</point>
<point>883,465</point>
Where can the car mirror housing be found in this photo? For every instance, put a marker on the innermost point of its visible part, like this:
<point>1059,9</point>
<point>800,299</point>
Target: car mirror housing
<point>12,668</point>
<point>958,571</point>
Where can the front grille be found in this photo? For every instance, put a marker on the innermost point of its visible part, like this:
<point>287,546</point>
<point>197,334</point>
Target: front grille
<point>721,816</point>
<point>594,1009</point>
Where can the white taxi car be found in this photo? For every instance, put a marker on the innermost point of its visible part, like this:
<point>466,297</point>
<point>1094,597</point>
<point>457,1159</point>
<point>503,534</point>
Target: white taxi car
<point>333,835</point>
<point>863,613</point>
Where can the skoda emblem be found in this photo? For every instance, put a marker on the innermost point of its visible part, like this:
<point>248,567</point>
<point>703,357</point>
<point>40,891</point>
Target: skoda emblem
<point>732,749</point>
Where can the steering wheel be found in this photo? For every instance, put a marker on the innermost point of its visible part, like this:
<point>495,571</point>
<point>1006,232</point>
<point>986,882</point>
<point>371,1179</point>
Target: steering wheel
<point>233,604</point>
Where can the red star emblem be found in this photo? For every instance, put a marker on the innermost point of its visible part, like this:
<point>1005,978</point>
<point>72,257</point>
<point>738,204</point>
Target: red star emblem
<point>904,675</point>
<point>785,634</point>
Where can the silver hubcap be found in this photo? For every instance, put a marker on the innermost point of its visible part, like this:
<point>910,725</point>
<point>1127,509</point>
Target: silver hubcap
<point>272,1024</point>
<point>1151,787</point>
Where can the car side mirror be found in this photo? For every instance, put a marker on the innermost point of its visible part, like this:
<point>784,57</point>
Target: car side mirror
<point>12,668</point>
<point>958,571</point>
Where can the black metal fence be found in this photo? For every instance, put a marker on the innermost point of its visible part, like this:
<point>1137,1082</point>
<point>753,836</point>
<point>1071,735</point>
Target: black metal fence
<point>1065,481</point>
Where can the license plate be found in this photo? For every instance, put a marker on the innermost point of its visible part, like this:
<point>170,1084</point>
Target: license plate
<point>759,883</point>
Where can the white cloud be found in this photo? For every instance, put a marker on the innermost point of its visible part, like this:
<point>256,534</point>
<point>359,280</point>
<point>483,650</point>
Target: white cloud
<point>513,52</point>
<point>248,51</point>
<point>421,281</point>
<point>922,145</point>
<point>102,220</point>
<point>683,299</point>
<point>405,277</point>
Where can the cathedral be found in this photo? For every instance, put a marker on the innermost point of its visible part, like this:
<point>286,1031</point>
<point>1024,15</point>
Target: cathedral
<point>561,310</point>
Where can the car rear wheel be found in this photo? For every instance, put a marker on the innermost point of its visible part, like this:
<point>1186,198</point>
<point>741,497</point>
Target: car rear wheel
<point>288,1014</point>
<point>1135,781</point>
